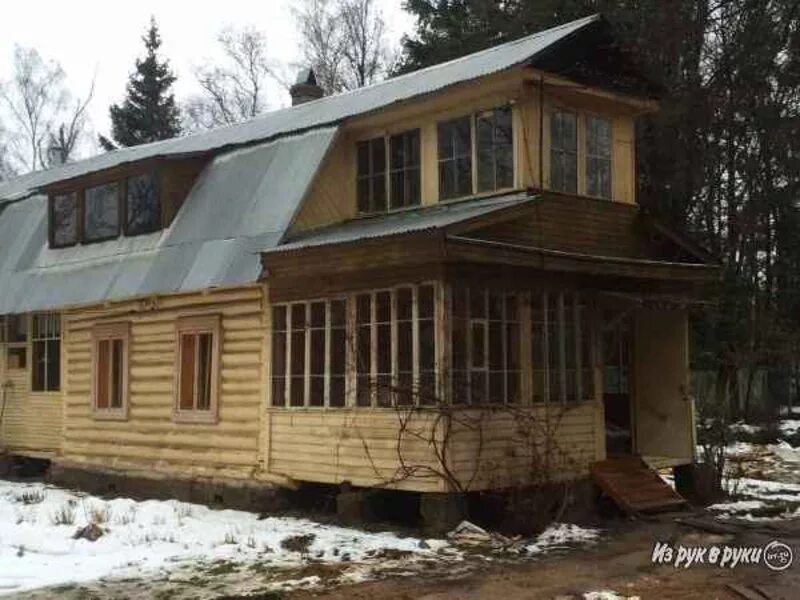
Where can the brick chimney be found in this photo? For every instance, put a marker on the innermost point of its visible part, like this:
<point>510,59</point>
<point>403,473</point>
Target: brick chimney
<point>305,89</point>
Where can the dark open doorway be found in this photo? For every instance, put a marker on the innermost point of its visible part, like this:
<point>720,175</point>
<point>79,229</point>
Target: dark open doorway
<point>617,335</point>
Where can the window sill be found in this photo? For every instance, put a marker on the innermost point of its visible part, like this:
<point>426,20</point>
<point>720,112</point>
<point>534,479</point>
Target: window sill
<point>110,415</point>
<point>195,418</point>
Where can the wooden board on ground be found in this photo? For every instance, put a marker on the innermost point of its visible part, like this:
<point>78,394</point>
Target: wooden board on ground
<point>634,486</point>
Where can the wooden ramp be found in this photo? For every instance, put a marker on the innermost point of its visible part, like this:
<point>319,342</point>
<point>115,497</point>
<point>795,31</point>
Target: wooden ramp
<point>634,486</point>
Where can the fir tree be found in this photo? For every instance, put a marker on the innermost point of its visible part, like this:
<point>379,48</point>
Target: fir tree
<point>149,112</point>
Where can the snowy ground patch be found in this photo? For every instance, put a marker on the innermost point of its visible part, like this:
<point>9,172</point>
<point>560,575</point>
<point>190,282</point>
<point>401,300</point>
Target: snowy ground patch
<point>563,535</point>
<point>38,522</point>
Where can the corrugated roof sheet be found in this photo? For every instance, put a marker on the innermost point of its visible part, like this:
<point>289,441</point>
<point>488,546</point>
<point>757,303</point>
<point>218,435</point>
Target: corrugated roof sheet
<point>326,111</point>
<point>407,221</point>
<point>241,203</point>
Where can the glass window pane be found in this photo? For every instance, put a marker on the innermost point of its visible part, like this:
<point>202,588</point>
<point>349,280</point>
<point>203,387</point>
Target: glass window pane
<point>144,205</point>
<point>101,212</point>
<point>65,219</point>
<point>117,366</point>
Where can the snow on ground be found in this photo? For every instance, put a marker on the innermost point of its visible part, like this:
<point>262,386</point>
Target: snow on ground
<point>562,535</point>
<point>607,595</point>
<point>37,549</point>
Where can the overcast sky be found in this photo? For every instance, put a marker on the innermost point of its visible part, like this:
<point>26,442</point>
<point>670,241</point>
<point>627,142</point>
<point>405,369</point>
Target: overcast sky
<point>101,38</point>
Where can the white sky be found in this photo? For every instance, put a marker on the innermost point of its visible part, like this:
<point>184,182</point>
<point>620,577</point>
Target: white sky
<point>102,39</point>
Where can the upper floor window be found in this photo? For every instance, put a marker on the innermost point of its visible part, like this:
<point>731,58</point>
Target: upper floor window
<point>372,175</point>
<point>404,168</point>
<point>598,157</point>
<point>398,186</point>
<point>492,153</point>
<point>64,220</point>
<point>564,152</point>
<point>131,206</point>
<point>566,162</point>
<point>495,149</point>
<point>101,213</point>
<point>143,205</point>
<point>455,158</point>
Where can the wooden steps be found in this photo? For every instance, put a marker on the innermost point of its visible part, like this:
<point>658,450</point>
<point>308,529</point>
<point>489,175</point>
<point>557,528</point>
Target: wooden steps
<point>634,486</point>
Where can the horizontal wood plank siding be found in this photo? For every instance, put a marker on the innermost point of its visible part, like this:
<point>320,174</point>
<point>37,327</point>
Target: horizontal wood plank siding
<point>574,224</point>
<point>359,446</point>
<point>149,438</point>
<point>524,446</point>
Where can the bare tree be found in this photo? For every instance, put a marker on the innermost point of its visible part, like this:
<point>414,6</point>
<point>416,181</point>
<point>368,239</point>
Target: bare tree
<point>235,90</point>
<point>318,25</point>
<point>65,139</point>
<point>364,44</point>
<point>344,41</point>
<point>43,125</point>
<point>6,170</point>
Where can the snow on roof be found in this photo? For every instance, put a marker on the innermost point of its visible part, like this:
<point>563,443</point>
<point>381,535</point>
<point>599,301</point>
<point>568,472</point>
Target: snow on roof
<point>318,113</point>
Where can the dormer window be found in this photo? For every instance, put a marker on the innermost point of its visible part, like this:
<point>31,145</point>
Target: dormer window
<point>64,220</point>
<point>143,205</point>
<point>92,214</point>
<point>101,214</point>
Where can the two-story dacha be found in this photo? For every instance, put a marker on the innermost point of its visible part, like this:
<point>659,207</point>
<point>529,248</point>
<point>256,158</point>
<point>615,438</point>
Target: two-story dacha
<point>399,286</point>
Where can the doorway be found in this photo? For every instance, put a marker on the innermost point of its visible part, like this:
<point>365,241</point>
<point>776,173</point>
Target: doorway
<point>617,397</point>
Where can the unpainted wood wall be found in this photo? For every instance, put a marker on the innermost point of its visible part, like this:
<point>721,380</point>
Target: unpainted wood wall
<point>332,197</point>
<point>150,440</point>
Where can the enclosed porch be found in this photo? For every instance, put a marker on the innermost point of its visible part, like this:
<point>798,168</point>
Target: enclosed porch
<point>447,358</point>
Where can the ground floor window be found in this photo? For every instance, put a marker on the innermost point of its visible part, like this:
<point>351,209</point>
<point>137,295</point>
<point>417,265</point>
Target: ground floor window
<point>197,367</point>
<point>486,347</point>
<point>110,369</point>
<point>561,356</point>
<point>14,340</point>
<point>374,348</point>
<point>381,348</point>
<point>46,350</point>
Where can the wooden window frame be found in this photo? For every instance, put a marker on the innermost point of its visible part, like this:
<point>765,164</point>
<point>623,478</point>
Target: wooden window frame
<point>111,332</point>
<point>581,153</point>
<point>351,333</point>
<point>32,339</point>
<point>389,171</point>
<point>205,324</point>
<point>491,115</point>
<point>473,126</point>
<point>610,158</point>
<point>371,175</point>
<point>154,173</point>
<point>307,334</point>
<point>485,323</point>
<point>123,228</point>
<point>51,225</point>
<point>7,345</point>
<point>391,204</point>
<point>569,305</point>
<point>120,207</point>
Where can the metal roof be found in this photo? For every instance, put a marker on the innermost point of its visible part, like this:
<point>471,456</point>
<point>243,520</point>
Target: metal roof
<point>426,218</point>
<point>323,112</point>
<point>242,202</point>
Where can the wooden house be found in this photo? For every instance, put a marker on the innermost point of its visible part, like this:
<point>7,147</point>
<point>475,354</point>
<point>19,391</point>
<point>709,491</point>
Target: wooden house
<point>441,282</point>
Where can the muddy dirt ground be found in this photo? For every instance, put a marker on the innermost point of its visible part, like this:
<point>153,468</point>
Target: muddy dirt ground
<point>620,562</point>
